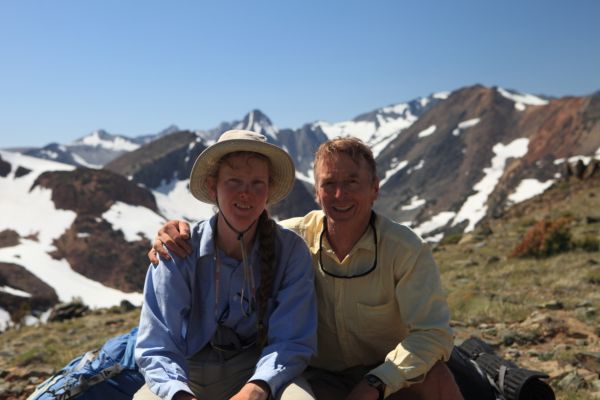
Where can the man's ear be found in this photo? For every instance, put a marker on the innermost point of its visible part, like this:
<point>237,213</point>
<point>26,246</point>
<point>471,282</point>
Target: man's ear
<point>316,195</point>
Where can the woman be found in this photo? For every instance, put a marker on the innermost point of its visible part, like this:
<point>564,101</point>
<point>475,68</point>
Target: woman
<point>237,318</point>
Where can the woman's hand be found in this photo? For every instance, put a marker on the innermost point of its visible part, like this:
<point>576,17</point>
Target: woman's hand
<point>255,390</point>
<point>174,234</point>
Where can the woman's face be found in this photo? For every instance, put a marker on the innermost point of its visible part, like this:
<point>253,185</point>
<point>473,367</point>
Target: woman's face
<point>241,188</point>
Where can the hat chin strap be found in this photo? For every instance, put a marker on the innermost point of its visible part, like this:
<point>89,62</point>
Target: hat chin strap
<point>249,283</point>
<point>240,234</point>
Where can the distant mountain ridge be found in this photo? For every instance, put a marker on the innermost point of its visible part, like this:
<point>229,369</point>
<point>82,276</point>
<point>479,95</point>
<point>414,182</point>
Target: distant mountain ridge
<point>447,163</point>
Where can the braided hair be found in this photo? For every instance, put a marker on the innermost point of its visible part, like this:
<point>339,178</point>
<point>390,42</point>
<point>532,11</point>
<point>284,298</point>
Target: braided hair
<point>266,229</point>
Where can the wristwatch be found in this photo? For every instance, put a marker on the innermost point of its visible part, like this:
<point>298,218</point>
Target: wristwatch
<point>376,383</point>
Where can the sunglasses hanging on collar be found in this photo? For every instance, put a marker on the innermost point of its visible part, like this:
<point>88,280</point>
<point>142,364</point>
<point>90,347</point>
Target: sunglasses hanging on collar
<point>372,224</point>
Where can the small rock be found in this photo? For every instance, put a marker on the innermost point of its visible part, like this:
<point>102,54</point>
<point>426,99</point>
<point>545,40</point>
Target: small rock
<point>513,352</point>
<point>571,381</point>
<point>493,260</point>
<point>577,335</point>
<point>553,305</point>
<point>589,361</point>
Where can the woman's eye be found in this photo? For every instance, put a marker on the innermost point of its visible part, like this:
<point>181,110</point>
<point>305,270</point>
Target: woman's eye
<point>233,183</point>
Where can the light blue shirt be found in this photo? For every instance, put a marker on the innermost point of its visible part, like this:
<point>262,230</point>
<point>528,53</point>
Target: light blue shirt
<point>178,316</point>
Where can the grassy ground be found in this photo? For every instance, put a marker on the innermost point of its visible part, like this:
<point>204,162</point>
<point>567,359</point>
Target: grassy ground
<point>541,313</point>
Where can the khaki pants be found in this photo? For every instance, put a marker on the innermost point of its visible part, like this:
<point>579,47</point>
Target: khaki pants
<point>321,384</point>
<point>316,383</point>
<point>213,375</point>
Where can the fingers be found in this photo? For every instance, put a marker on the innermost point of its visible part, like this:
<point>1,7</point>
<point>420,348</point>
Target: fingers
<point>158,250</point>
<point>173,241</point>
<point>153,257</point>
<point>184,229</point>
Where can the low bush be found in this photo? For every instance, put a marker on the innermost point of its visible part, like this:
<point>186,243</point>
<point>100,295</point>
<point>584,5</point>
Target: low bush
<point>545,238</point>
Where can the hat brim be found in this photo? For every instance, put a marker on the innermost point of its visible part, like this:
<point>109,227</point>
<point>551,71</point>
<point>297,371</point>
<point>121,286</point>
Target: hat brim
<point>282,171</point>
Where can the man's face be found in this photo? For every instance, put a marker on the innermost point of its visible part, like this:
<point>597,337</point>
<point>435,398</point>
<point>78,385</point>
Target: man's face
<point>344,189</point>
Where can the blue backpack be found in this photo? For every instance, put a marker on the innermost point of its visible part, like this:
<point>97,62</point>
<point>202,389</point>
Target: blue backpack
<point>109,373</point>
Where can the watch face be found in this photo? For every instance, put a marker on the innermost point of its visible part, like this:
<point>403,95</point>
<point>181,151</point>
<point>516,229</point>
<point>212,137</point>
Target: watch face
<point>375,382</point>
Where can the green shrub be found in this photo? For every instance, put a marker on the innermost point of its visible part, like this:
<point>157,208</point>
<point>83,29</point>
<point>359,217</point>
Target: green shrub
<point>451,239</point>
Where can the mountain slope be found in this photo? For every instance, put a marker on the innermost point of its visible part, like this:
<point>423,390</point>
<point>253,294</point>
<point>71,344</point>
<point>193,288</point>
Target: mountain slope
<point>466,156</point>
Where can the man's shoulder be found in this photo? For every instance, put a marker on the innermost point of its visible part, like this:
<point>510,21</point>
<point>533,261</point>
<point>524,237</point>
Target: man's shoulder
<point>397,233</point>
<point>308,221</point>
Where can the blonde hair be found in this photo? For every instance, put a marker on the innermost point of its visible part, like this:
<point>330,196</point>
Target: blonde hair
<point>355,148</point>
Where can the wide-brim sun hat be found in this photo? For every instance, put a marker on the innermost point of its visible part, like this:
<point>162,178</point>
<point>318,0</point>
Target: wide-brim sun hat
<point>281,170</point>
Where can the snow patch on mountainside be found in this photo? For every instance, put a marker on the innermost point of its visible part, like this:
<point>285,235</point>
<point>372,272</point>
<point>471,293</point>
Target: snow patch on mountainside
<point>360,129</point>
<point>58,274</point>
<point>392,171</point>
<point>5,320</point>
<point>33,215</point>
<point>435,222</point>
<point>116,143</point>
<point>427,132</point>
<point>474,208</point>
<point>529,188</point>
<point>522,100</point>
<point>135,222</point>
<point>465,125</point>
<point>174,201</point>
<point>31,212</point>
<point>415,202</point>
<point>388,132</point>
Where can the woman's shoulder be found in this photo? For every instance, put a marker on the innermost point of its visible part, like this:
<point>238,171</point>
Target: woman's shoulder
<point>201,235</point>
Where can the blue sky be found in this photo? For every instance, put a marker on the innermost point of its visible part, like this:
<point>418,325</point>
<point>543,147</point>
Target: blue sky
<point>135,67</point>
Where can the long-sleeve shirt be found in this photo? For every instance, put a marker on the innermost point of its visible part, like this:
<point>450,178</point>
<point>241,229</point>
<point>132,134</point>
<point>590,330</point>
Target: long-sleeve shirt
<point>395,317</point>
<point>180,311</point>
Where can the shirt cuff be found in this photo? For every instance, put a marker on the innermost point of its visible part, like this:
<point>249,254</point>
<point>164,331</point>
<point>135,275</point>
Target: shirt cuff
<point>168,390</point>
<point>390,374</point>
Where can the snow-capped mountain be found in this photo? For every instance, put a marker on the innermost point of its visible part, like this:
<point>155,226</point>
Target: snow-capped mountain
<point>446,163</point>
<point>95,149</point>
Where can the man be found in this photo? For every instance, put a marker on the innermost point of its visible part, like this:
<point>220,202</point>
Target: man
<point>383,326</point>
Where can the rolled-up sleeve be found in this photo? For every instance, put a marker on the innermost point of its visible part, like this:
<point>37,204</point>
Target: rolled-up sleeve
<point>425,312</point>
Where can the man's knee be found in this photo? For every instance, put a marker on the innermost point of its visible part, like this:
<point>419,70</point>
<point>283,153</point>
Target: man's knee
<point>438,384</point>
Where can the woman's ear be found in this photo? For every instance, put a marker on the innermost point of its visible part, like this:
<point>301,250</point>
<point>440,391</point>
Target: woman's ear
<point>211,185</point>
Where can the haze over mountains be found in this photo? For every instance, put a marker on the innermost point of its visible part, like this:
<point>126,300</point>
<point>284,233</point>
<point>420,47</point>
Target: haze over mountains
<point>83,212</point>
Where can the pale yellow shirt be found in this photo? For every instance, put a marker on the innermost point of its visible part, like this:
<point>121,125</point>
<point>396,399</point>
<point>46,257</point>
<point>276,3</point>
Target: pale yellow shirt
<point>396,317</point>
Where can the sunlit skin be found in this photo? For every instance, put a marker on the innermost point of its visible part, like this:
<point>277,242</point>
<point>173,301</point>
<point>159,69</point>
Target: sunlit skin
<point>242,190</point>
<point>346,191</point>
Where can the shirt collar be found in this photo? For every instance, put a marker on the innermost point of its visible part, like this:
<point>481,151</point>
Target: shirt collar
<point>365,242</point>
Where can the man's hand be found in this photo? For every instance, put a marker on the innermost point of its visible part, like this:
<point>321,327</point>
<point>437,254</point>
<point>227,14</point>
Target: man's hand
<point>363,391</point>
<point>173,234</point>
<point>256,390</point>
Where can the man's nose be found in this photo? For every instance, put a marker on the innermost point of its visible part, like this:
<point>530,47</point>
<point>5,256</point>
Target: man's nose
<point>340,190</point>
